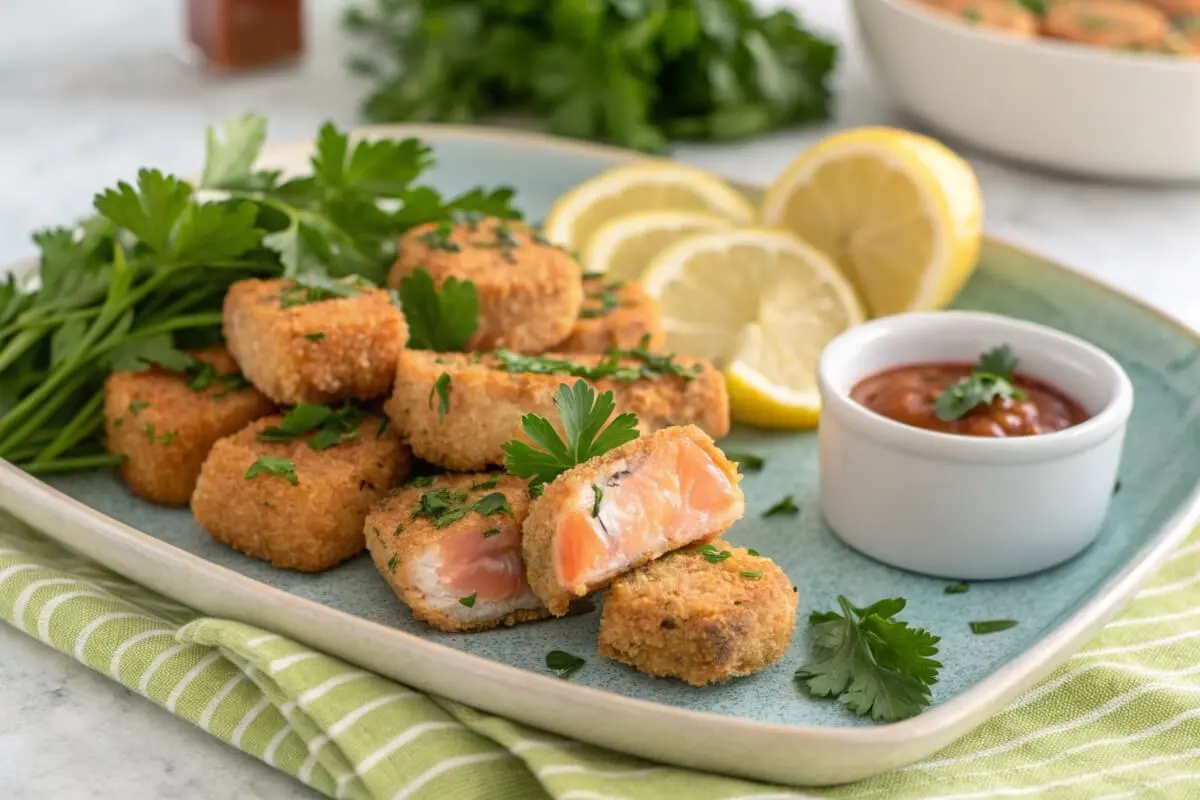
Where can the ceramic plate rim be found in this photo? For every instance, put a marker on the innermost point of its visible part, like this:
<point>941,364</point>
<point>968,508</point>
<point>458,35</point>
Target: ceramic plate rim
<point>920,735</point>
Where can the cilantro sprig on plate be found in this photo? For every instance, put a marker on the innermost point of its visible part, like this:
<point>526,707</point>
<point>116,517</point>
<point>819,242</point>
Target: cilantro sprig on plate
<point>872,662</point>
<point>990,379</point>
<point>589,433</point>
<point>146,273</point>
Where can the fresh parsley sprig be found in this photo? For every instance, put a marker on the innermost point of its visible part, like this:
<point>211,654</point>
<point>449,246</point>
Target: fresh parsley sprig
<point>872,662</point>
<point>329,427</point>
<point>584,419</point>
<point>990,379</point>
<point>147,273</point>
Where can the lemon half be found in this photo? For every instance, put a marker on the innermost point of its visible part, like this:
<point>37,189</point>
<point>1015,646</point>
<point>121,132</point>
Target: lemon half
<point>899,213</point>
<point>622,247</point>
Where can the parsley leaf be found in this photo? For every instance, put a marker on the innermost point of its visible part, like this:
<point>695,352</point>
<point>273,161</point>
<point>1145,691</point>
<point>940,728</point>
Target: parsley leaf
<point>785,506</point>
<point>992,626</point>
<point>332,427</point>
<point>441,319</point>
<point>441,388</point>
<point>584,418</point>
<point>274,465</point>
<point>445,506</point>
<point>469,600</point>
<point>875,664</point>
<point>563,664</point>
<point>990,379</point>
<point>713,554</point>
<point>747,461</point>
<point>956,588</point>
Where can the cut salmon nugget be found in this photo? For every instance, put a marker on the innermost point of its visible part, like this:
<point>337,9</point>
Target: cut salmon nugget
<point>164,423</point>
<point>450,548</point>
<point>297,507</point>
<point>702,615</point>
<point>625,508</point>
<point>458,411</point>
<point>299,344</point>
<point>618,314</point>
<point>529,291</point>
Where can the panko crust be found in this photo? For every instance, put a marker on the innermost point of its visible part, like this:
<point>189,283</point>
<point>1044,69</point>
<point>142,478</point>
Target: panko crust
<point>701,622</point>
<point>541,526</point>
<point>636,315</point>
<point>165,430</point>
<point>529,294</point>
<point>345,348</point>
<point>392,532</point>
<point>313,525</point>
<point>486,404</point>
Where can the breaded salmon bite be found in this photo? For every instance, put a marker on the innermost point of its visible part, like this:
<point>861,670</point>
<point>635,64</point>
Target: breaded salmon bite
<point>458,411</point>
<point>614,314</point>
<point>529,291</point>
<point>299,344</point>
<point>450,548</point>
<point>702,615</point>
<point>1108,23</point>
<point>296,494</point>
<point>625,508</point>
<point>164,423</point>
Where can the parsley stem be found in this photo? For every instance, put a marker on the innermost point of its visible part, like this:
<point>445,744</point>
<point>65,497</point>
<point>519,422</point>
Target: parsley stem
<point>37,322</point>
<point>41,413</point>
<point>96,461</point>
<point>85,422</point>
<point>18,346</point>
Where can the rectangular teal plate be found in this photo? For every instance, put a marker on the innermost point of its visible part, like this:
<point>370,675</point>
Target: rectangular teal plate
<point>755,726</point>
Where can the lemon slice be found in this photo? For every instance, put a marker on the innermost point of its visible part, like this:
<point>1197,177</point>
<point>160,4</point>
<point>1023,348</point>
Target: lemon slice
<point>899,214</point>
<point>761,304</point>
<point>622,247</point>
<point>642,186</point>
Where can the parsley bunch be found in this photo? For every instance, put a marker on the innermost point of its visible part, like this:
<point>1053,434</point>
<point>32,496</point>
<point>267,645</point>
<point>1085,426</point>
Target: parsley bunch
<point>871,661</point>
<point>146,274</point>
<point>584,418</point>
<point>635,72</point>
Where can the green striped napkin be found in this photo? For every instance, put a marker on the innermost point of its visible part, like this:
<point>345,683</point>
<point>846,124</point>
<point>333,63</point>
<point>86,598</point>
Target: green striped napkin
<point>1120,720</point>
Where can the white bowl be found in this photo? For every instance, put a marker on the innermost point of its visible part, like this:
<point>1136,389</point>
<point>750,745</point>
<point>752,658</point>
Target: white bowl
<point>1065,106</point>
<point>968,507</point>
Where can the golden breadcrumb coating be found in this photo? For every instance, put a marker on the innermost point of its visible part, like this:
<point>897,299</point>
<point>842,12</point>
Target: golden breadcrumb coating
<point>345,348</point>
<point>164,428</point>
<point>603,325</point>
<point>485,404</point>
<point>529,292</point>
<point>687,617</point>
<point>312,525</point>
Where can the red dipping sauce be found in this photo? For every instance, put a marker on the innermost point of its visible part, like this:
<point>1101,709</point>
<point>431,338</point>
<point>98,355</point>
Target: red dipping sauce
<point>909,395</point>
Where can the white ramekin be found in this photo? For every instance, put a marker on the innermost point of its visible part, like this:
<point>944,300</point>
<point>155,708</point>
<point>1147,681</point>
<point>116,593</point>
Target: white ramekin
<point>968,507</point>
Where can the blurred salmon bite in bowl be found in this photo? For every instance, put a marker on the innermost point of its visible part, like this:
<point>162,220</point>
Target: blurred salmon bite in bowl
<point>1094,109</point>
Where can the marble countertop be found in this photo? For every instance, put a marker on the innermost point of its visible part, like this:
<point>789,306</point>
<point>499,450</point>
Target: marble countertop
<point>89,92</point>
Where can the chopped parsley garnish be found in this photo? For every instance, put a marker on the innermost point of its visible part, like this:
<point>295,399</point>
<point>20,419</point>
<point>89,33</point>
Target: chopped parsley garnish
<point>584,417</point>
<point>399,529</point>
<point>956,588</point>
<point>992,626</point>
<point>391,564</point>
<point>652,365</point>
<point>490,532</point>
<point>441,388</point>
<point>469,218</point>
<point>563,664</point>
<point>421,481</point>
<point>438,238</point>
<point>382,426</point>
<point>597,498</point>
<point>872,662</point>
<point>315,336</point>
<point>168,437</point>
<point>713,554</point>
<point>751,574</point>
<point>444,506</point>
<point>317,288</point>
<point>506,242</point>
<point>331,427</point>
<point>488,484</point>
<point>752,552</point>
<point>603,301</point>
<point>990,379</point>
<point>469,600</point>
<point>149,431</point>
<point>972,15</point>
<point>137,405</point>
<point>1035,6</point>
<point>747,461</point>
<point>785,506</point>
<point>274,465</point>
<point>440,318</point>
<point>118,422</point>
